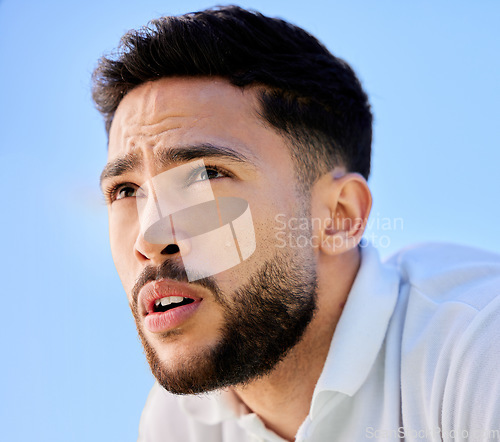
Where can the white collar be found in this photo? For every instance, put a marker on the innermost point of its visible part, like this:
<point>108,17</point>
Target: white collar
<point>361,329</point>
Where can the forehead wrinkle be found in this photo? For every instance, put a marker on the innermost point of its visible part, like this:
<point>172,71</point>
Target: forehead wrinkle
<point>155,107</point>
<point>141,129</point>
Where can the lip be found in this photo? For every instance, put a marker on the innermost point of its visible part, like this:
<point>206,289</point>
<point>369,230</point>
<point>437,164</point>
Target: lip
<point>157,322</point>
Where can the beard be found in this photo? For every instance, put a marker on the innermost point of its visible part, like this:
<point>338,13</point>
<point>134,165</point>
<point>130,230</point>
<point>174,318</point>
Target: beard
<point>263,320</point>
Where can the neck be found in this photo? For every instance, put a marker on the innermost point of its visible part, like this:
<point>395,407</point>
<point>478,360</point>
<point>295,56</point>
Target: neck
<point>283,398</point>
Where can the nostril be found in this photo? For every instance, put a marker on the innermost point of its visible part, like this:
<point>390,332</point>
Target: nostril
<point>171,249</point>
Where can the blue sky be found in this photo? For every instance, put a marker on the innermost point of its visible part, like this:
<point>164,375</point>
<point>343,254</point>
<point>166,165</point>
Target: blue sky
<point>72,367</point>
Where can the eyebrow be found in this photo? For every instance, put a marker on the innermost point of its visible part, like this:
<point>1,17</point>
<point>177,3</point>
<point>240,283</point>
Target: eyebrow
<point>133,161</point>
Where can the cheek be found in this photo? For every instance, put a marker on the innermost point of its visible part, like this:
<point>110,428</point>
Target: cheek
<point>270,218</point>
<point>266,239</point>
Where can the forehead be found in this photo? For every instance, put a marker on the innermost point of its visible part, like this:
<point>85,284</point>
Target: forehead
<point>183,111</point>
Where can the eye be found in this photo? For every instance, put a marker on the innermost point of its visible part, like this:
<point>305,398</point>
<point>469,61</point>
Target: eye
<point>125,191</point>
<point>122,191</point>
<point>208,173</point>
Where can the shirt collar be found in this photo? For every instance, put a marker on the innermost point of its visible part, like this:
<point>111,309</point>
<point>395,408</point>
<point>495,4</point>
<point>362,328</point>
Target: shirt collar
<point>361,329</point>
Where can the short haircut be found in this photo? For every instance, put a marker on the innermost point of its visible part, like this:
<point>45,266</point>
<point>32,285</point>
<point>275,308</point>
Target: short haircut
<point>307,95</point>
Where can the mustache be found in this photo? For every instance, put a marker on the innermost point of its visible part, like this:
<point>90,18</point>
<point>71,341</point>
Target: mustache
<point>171,269</point>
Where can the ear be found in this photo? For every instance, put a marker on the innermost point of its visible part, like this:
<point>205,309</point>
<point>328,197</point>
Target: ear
<point>342,201</point>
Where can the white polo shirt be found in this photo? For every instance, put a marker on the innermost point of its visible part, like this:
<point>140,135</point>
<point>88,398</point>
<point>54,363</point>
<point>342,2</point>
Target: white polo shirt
<point>415,355</point>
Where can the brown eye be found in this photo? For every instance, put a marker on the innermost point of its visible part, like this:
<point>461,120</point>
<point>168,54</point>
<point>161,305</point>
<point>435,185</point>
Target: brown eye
<point>209,174</point>
<point>125,191</point>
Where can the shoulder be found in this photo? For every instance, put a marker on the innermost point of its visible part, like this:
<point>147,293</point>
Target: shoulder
<point>450,347</point>
<point>444,289</point>
<point>471,397</point>
<point>446,273</point>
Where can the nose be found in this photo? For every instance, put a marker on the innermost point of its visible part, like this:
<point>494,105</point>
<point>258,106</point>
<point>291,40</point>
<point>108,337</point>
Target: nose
<point>155,250</point>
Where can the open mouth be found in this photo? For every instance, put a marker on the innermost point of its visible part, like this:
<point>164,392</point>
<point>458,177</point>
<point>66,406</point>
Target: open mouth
<point>167,305</point>
<point>170,302</point>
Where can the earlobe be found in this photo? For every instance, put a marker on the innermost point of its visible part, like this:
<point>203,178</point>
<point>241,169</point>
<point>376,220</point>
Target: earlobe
<point>349,201</point>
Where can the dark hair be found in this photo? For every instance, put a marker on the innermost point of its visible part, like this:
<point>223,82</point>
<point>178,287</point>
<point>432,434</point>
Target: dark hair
<point>309,96</point>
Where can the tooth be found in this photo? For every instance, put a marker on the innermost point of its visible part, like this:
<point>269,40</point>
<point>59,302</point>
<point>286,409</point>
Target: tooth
<point>157,302</point>
<point>176,299</point>
<point>165,301</point>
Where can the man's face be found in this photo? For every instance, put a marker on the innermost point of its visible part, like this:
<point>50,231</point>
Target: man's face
<point>239,323</point>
